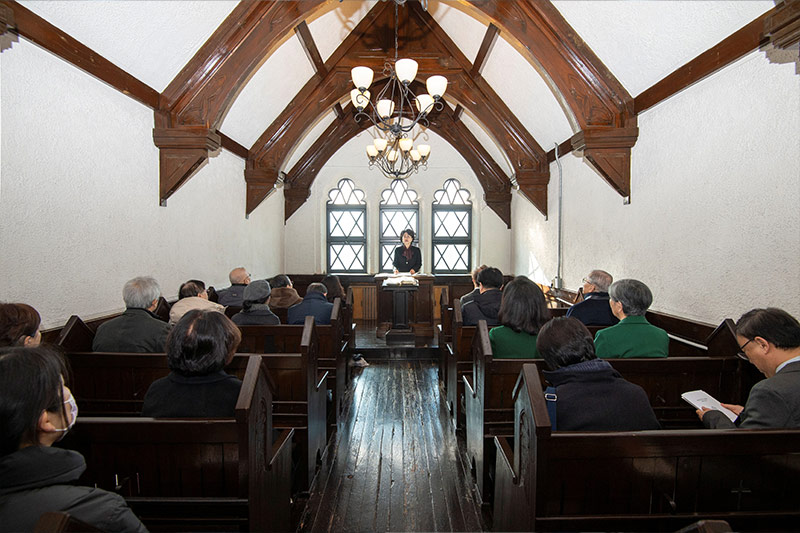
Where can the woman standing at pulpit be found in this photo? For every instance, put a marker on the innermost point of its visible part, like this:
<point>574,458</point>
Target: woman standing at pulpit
<point>407,258</point>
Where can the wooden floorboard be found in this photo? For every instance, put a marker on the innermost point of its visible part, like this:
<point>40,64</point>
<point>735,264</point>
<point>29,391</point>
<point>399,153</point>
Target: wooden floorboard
<point>395,465</point>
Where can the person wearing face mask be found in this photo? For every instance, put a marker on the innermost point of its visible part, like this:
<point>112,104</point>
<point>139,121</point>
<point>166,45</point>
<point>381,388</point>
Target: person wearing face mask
<point>36,410</point>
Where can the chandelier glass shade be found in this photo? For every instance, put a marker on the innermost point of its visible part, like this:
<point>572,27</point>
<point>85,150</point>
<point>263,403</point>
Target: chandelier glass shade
<point>398,158</point>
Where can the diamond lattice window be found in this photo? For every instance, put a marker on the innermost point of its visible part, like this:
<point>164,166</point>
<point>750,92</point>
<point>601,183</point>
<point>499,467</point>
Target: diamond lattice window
<point>399,211</point>
<point>347,228</point>
<point>452,229</point>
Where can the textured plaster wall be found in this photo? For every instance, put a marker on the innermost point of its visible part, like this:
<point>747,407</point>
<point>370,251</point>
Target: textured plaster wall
<point>79,211</point>
<point>305,229</point>
<point>713,226</point>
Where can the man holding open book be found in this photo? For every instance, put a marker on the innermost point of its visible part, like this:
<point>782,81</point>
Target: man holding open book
<point>770,339</point>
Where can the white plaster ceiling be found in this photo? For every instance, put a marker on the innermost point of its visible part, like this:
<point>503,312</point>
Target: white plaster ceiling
<point>152,40</point>
<point>639,41</point>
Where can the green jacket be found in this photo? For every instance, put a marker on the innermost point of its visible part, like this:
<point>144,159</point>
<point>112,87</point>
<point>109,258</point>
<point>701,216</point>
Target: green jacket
<point>508,344</point>
<point>634,336</point>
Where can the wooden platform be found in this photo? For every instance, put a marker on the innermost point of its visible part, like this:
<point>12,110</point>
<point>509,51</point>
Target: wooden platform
<point>396,464</point>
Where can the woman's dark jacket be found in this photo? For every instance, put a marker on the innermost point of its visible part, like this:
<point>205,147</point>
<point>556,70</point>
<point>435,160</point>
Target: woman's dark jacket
<point>39,479</point>
<point>404,265</point>
<point>176,396</point>
<point>257,315</point>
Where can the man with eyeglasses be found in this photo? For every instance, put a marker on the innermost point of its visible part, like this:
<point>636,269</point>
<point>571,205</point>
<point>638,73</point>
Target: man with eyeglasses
<point>770,339</point>
<point>234,295</point>
<point>594,309</point>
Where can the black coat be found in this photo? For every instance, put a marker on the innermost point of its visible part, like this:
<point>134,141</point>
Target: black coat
<point>484,306</point>
<point>176,396</point>
<point>258,315</point>
<point>136,330</point>
<point>314,304</point>
<point>404,265</point>
<point>592,396</point>
<point>594,310</point>
<point>39,479</point>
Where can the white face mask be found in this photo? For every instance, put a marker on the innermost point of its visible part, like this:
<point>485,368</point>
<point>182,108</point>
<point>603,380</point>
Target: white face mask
<point>73,410</point>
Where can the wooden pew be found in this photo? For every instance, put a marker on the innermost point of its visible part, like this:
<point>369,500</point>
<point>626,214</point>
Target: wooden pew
<point>459,362</point>
<point>445,332</point>
<point>59,522</point>
<point>642,481</point>
<point>192,474</point>
<point>490,406</point>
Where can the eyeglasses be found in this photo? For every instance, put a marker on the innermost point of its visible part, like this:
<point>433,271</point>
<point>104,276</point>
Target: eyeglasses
<point>741,354</point>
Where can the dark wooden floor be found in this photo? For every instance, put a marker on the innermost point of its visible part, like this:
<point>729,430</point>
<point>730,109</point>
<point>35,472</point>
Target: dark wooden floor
<point>396,464</point>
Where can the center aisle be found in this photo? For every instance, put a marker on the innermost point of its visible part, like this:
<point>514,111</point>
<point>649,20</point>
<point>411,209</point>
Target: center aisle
<point>396,466</point>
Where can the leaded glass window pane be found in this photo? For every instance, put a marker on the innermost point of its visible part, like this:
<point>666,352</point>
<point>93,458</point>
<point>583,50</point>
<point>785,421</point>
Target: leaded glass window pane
<point>347,228</point>
<point>452,229</point>
<point>451,194</point>
<point>451,224</point>
<point>346,194</point>
<point>346,223</point>
<point>450,257</point>
<point>399,211</point>
<point>387,256</point>
<point>398,193</point>
<point>393,222</point>
<point>346,258</point>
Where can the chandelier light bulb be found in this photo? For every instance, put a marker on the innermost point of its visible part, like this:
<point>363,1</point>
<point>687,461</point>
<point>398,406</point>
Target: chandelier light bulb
<point>359,99</point>
<point>385,108</point>
<point>406,70</point>
<point>424,103</point>
<point>415,157</point>
<point>392,155</point>
<point>380,144</point>
<point>372,152</point>
<point>362,77</point>
<point>406,144</point>
<point>424,150</point>
<point>436,85</point>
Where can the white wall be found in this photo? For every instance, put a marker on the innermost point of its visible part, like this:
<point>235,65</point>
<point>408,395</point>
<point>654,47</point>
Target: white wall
<point>305,229</point>
<point>714,224</point>
<point>79,211</point>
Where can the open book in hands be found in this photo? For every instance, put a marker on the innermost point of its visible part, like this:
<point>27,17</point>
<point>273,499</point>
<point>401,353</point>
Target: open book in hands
<point>700,399</point>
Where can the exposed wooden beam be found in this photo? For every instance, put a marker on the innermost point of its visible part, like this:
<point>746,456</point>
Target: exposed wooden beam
<point>480,59</point>
<point>457,112</point>
<point>337,109</point>
<point>563,149</point>
<point>310,47</point>
<point>37,30</point>
<point>725,52</point>
<point>232,146</point>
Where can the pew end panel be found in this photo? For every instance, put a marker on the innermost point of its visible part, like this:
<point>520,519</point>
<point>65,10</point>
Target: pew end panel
<point>76,336</point>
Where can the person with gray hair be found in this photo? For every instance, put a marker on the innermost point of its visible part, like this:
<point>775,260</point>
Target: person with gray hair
<point>314,304</point>
<point>634,336</point>
<point>137,329</point>
<point>594,309</point>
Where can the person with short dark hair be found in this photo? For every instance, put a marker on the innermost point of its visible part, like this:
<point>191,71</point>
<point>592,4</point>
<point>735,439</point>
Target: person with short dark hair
<point>36,410</point>
<point>594,309</point>
<point>476,291</point>
<point>314,304</point>
<point>192,295</point>
<point>523,311</point>
<point>407,258</point>
<point>334,286</point>
<point>255,309</point>
<point>283,294</point>
<point>634,336</point>
<point>486,305</point>
<point>587,394</point>
<point>200,345</point>
<point>137,329</point>
<point>19,325</point>
<point>234,295</point>
<point>770,339</point>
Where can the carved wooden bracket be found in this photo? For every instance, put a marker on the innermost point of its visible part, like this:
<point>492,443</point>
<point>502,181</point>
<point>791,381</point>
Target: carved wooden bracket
<point>181,152</point>
<point>260,183</point>
<point>533,185</point>
<point>608,150</point>
<point>6,19</point>
<point>294,197</point>
<point>783,26</point>
<point>500,203</point>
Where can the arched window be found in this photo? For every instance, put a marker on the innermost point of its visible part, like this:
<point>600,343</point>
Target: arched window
<point>347,228</point>
<point>399,211</point>
<point>452,229</point>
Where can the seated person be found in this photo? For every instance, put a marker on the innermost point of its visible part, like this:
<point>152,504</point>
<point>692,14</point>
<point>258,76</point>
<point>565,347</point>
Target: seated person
<point>256,311</point>
<point>37,410</point>
<point>476,291</point>
<point>594,309</point>
<point>335,289</point>
<point>198,348</point>
<point>770,339</point>
<point>19,325</point>
<point>586,393</point>
<point>137,329</point>
<point>634,336</point>
<point>523,312</point>
<point>234,295</point>
<point>486,305</point>
<point>284,294</point>
<point>192,295</point>
<point>314,304</point>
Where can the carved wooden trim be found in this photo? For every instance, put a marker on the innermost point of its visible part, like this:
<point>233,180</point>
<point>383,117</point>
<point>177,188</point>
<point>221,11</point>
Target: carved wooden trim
<point>609,152</point>
<point>181,152</point>
<point>727,51</point>
<point>260,184</point>
<point>533,185</point>
<point>6,19</point>
<point>37,30</point>
<point>782,24</point>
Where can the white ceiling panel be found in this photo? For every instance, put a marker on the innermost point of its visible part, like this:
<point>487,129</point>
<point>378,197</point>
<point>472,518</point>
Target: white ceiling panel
<point>643,41</point>
<point>464,30</point>
<point>268,92</point>
<point>152,40</point>
<point>309,139</point>
<point>526,94</point>
<point>332,27</point>
<point>488,142</point>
